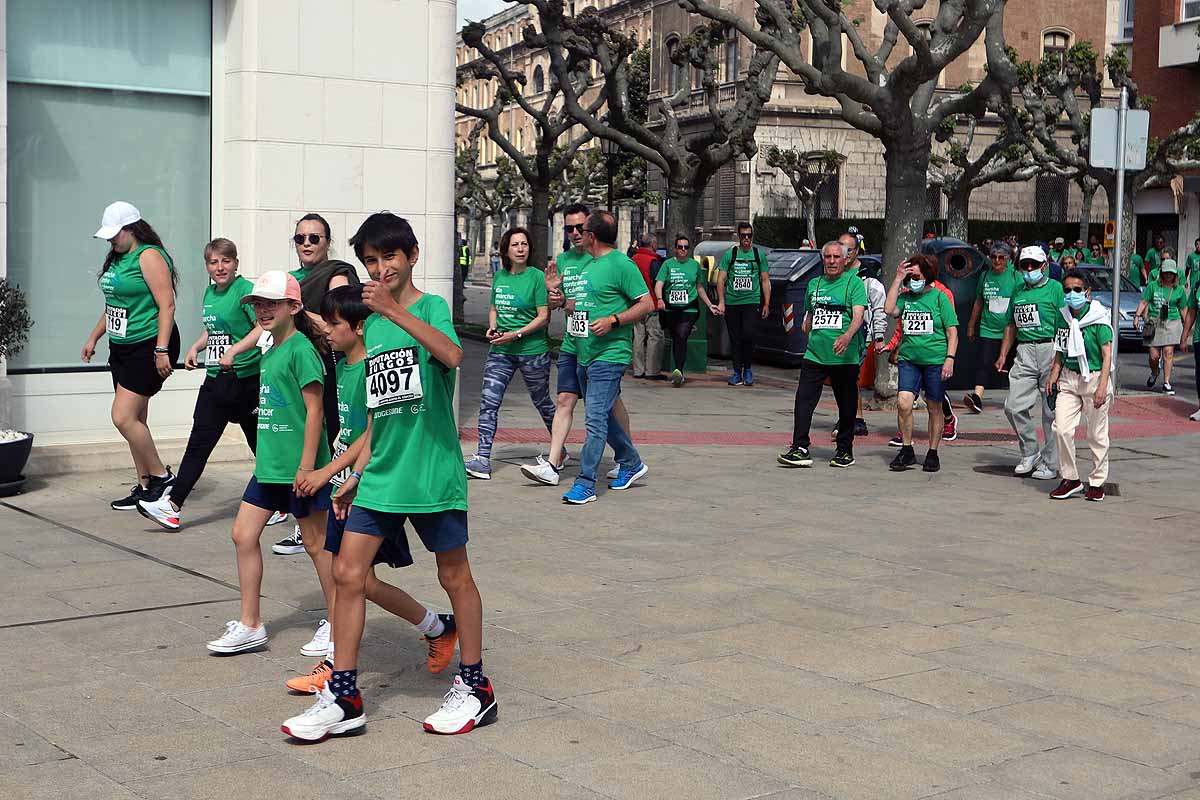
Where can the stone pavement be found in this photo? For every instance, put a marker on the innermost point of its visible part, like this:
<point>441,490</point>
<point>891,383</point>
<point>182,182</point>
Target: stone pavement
<point>728,629</point>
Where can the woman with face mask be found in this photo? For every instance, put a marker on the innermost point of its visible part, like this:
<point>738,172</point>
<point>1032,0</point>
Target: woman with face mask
<point>1163,302</point>
<point>1079,385</point>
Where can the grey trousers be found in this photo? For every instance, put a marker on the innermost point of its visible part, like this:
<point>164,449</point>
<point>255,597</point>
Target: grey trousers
<point>647,346</point>
<point>1026,394</point>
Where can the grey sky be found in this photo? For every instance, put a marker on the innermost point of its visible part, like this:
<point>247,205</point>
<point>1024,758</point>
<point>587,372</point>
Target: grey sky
<point>477,9</point>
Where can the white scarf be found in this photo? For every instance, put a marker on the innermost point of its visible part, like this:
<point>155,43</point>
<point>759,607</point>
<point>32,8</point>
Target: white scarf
<point>1097,314</point>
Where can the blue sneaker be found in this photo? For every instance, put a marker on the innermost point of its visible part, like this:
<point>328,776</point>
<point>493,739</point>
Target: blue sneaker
<point>736,378</point>
<point>748,377</point>
<point>579,494</point>
<point>626,477</point>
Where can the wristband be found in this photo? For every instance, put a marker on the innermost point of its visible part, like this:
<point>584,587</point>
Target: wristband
<point>616,321</point>
<point>950,356</point>
<point>355,474</point>
<point>164,351</point>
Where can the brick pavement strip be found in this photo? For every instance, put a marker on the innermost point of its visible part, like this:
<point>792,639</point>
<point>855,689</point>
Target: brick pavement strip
<point>727,629</point>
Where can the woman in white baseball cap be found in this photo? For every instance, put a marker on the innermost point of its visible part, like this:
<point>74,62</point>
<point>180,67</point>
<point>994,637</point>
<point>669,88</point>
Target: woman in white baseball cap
<point>138,282</point>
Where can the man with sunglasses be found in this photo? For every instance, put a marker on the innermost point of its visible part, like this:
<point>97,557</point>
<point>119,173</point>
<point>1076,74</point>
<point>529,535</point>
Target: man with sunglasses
<point>1032,323</point>
<point>743,287</point>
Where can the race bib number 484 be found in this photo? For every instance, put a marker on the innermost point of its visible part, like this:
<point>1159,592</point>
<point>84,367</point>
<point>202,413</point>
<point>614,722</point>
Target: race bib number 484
<point>1025,315</point>
<point>917,323</point>
<point>743,283</point>
<point>116,321</point>
<point>577,324</point>
<point>393,376</point>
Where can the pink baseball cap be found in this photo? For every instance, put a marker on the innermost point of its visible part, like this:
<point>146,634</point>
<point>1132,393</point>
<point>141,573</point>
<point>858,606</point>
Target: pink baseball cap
<point>274,284</point>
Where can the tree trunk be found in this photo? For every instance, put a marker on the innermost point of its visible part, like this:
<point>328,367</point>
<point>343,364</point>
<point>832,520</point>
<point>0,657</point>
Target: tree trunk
<point>539,225</point>
<point>1085,213</point>
<point>1128,234</point>
<point>958,210</point>
<point>907,163</point>
<point>683,207</point>
<point>810,214</point>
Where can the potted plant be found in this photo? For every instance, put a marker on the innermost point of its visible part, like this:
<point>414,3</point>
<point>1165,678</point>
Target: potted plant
<point>15,446</point>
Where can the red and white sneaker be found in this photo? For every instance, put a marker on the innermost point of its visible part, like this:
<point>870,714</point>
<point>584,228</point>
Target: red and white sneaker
<point>950,428</point>
<point>329,716</point>
<point>464,709</point>
<point>160,511</point>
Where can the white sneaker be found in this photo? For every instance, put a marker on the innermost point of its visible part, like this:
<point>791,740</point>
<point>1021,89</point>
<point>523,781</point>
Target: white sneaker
<point>463,709</point>
<point>1195,416</point>
<point>613,473</point>
<point>1044,473</point>
<point>160,511</point>
<point>239,638</point>
<point>1025,466</point>
<point>329,716</point>
<point>318,646</point>
<point>541,472</point>
<point>277,518</point>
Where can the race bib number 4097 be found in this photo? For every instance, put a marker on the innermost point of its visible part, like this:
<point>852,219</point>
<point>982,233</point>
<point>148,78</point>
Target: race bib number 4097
<point>393,376</point>
<point>1025,315</point>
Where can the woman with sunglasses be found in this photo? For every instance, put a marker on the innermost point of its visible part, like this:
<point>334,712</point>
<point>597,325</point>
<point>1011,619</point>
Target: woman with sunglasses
<point>318,273</point>
<point>989,318</point>
<point>679,290</point>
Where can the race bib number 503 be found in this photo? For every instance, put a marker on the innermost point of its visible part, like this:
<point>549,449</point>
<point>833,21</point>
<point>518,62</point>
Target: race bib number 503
<point>393,376</point>
<point>577,324</point>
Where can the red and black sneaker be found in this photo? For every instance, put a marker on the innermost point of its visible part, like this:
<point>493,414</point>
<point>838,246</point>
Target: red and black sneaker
<point>1095,493</point>
<point>329,716</point>
<point>1068,489</point>
<point>464,708</point>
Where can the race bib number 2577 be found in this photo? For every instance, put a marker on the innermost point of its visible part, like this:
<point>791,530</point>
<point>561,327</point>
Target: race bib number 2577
<point>393,376</point>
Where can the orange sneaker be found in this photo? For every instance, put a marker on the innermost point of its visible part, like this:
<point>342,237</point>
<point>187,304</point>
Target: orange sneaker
<point>314,681</point>
<point>441,648</point>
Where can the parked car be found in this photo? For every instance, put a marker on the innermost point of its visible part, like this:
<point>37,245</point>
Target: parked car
<point>1130,338</point>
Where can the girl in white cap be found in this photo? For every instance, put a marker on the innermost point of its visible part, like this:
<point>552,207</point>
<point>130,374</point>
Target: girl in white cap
<point>138,282</point>
<point>291,444</point>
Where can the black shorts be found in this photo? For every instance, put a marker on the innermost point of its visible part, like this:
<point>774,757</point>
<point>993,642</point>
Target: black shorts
<point>280,497</point>
<point>132,365</point>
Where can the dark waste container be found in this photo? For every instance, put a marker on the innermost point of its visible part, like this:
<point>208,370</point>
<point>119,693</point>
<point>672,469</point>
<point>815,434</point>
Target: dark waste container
<point>960,267</point>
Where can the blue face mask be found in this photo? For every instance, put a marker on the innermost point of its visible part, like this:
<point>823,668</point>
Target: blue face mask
<point>1033,277</point>
<point>1076,300</point>
<point>916,284</point>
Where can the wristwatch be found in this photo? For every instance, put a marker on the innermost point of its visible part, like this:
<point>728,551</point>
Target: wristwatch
<point>520,335</point>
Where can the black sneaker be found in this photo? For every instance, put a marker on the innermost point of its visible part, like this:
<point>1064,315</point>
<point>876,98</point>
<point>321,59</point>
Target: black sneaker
<point>860,427</point>
<point>1153,379</point>
<point>289,545</point>
<point>973,402</point>
<point>130,502</point>
<point>157,486</point>
<point>932,462</point>
<point>795,457</point>
<point>903,460</point>
<point>842,460</point>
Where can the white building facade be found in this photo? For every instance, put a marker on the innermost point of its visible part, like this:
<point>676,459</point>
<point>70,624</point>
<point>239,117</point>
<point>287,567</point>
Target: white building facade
<point>215,118</point>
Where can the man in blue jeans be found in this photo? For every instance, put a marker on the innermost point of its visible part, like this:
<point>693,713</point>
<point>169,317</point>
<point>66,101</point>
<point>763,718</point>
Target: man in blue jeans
<point>614,297</point>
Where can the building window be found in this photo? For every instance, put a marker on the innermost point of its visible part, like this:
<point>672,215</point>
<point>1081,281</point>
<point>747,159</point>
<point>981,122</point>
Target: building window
<point>933,201</point>
<point>1127,19</point>
<point>674,71</point>
<point>828,194</point>
<point>97,112</point>
<point>1050,200</point>
<point>1055,43</point>
<point>539,79</point>
<point>1190,10</point>
<point>731,59</point>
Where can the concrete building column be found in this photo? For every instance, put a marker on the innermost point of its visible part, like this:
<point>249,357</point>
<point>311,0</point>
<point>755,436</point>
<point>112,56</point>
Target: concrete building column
<point>6,388</point>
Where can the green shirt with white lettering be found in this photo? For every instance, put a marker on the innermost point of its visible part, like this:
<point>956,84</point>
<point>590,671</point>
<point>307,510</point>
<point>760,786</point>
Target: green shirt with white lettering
<point>570,268</point>
<point>130,312</point>
<point>1157,296</point>
<point>517,298</point>
<point>286,369</point>
<point>924,319</point>
<point>1034,310</point>
<point>831,304</point>
<point>352,409</point>
<point>995,291</point>
<point>612,284</point>
<point>227,320</point>
<point>679,279</point>
<point>743,275</point>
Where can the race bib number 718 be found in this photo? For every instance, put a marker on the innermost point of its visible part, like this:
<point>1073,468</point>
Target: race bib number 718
<point>393,376</point>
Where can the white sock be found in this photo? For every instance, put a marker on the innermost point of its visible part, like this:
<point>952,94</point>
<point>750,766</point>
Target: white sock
<point>432,626</point>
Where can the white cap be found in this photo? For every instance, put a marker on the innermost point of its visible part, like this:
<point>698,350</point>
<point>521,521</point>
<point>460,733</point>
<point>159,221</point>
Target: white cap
<point>1033,253</point>
<point>274,284</point>
<point>116,216</point>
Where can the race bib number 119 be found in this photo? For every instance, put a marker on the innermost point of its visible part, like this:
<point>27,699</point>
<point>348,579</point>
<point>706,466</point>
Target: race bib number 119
<point>116,321</point>
<point>393,376</point>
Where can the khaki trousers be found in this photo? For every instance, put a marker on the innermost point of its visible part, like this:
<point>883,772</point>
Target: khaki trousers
<point>647,346</point>
<point>1075,401</point>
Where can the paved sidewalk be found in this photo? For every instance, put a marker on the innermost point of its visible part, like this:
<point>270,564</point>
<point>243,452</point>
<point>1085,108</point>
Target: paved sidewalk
<point>728,629</point>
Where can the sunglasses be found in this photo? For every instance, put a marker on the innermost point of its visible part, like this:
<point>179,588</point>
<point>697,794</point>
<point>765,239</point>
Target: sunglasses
<point>575,228</point>
<point>1075,289</point>
<point>313,238</point>
<point>681,247</point>
<point>749,235</point>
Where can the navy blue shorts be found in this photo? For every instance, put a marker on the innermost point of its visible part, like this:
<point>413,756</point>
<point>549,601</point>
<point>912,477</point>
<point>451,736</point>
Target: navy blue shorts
<point>915,377</point>
<point>440,531</point>
<point>567,380</point>
<point>392,552</point>
<point>280,497</point>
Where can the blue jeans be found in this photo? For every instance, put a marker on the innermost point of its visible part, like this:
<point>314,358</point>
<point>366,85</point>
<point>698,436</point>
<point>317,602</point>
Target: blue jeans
<point>600,383</point>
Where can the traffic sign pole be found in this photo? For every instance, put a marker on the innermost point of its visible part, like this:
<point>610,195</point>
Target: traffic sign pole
<point>1118,241</point>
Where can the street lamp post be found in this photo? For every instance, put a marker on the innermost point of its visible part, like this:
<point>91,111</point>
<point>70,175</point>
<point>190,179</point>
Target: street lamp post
<point>612,155</point>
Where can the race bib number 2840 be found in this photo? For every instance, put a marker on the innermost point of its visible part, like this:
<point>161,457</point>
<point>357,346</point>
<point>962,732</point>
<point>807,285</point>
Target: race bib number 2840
<point>393,376</point>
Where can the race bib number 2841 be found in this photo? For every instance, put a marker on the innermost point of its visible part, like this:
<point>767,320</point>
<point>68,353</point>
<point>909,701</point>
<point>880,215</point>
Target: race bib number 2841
<point>393,376</point>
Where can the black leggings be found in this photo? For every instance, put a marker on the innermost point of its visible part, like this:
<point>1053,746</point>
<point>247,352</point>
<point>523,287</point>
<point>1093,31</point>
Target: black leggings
<point>678,323</point>
<point>844,380</point>
<point>742,323</point>
<point>333,423</point>
<point>222,399</point>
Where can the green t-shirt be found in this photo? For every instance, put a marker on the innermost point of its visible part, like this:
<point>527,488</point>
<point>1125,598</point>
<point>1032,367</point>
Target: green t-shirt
<point>831,304</point>
<point>416,461</point>
<point>742,281</point>
<point>517,298</point>
<point>1153,259</point>
<point>352,409</point>
<point>1190,265</point>
<point>1034,310</point>
<point>1056,255</point>
<point>286,368</point>
<point>1093,259</point>
<point>1156,296</point>
<point>924,318</point>
<point>996,291</point>
<point>1094,337</point>
<point>130,313</point>
<point>227,320</point>
<point>1194,305</point>
<point>679,283</point>
<point>612,284</point>
<point>1134,272</point>
<point>570,267</point>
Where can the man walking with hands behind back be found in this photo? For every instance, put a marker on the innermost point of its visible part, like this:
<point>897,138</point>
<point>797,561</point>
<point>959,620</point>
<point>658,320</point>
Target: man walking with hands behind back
<point>743,286</point>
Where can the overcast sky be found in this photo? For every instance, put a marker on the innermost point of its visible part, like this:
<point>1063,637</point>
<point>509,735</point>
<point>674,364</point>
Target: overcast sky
<point>477,9</point>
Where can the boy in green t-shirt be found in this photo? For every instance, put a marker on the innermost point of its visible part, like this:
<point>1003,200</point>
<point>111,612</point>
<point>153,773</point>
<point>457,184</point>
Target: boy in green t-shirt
<point>409,470</point>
